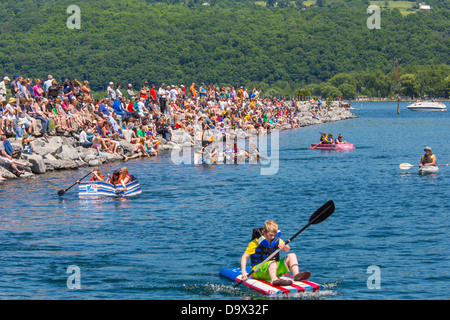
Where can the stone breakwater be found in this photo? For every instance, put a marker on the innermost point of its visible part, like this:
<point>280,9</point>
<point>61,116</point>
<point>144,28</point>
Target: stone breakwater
<point>65,153</point>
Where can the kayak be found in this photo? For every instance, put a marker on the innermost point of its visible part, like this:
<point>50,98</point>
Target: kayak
<point>96,188</point>
<point>428,169</point>
<point>332,146</point>
<point>266,288</point>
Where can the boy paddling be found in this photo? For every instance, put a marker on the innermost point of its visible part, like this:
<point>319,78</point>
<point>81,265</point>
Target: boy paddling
<point>261,247</point>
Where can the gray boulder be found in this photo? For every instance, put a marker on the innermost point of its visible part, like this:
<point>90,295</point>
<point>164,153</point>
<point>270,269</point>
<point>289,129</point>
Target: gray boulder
<point>37,164</point>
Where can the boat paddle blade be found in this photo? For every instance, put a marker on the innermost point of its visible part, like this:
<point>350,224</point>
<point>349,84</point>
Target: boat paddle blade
<point>405,166</point>
<point>62,191</point>
<point>322,213</point>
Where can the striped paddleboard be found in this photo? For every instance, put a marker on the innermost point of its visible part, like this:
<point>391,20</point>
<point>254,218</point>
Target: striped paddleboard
<point>93,189</point>
<point>265,287</point>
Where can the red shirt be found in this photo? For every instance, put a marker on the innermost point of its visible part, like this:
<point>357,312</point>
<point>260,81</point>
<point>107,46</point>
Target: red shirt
<point>153,93</point>
<point>131,107</point>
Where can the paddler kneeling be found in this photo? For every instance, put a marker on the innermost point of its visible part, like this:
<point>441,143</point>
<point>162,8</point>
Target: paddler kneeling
<point>264,243</point>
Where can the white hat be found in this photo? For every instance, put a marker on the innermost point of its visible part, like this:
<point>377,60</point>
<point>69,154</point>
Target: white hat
<point>6,78</point>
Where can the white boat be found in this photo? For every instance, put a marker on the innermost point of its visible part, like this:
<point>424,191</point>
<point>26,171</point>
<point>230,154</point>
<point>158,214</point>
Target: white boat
<point>96,189</point>
<point>428,169</point>
<point>427,106</point>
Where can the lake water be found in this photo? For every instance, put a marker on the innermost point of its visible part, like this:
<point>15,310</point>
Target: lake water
<point>170,242</point>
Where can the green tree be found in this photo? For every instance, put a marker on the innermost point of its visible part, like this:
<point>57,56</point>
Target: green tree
<point>410,87</point>
<point>348,91</point>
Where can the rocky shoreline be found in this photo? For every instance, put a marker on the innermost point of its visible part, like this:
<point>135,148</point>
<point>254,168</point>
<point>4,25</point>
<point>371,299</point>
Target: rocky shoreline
<point>59,153</point>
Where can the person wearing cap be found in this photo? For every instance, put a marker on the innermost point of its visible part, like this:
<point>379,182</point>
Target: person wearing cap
<point>111,92</point>
<point>68,90</point>
<point>428,159</point>
<point>240,92</point>
<point>10,115</point>
<point>3,88</point>
<point>183,90</point>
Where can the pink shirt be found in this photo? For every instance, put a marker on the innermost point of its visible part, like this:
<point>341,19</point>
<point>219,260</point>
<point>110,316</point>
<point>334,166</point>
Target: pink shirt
<point>37,91</point>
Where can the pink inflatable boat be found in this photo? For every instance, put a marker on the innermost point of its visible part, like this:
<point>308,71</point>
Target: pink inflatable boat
<point>333,146</point>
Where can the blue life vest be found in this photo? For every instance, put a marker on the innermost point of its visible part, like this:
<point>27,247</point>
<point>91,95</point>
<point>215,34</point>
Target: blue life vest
<point>265,248</point>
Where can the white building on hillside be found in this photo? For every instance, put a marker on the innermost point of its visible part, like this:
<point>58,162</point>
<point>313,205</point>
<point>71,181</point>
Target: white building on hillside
<point>424,7</point>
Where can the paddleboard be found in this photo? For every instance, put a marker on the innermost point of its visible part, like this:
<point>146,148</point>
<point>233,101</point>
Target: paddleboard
<point>266,288</point>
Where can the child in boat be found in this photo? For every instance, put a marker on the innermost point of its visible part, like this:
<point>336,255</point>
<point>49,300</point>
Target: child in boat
<point>115,177</point>
<point>340,139</point>
<point>323,138</point>
<point>330,139</point>
<point>124,178</point>
<point>261,247</point>
<point>97,176</point>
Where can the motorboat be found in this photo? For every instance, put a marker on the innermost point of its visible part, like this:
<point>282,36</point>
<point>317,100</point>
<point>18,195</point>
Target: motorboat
<point>427,106</point>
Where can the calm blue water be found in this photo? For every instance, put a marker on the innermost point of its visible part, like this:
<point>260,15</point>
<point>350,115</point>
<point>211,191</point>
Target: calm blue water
<point>190,222</point>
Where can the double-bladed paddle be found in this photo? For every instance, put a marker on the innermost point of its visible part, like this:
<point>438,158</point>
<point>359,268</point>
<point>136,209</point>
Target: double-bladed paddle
<point>62,191</point>
<point>317,217</point>
<point>406,166</point>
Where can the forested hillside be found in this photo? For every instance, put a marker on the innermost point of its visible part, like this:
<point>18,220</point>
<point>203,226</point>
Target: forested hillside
<point>326,49</point>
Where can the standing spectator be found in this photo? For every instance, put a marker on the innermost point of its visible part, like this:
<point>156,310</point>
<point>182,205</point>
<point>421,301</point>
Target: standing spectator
<point>130,92</point>
<point>193,91</point>
<point>22,86</point>
<point>30,90</point>
<point>86,90</point>
<point>3,88</point>
<point>47,84</point>
<point>68,89</point>
<point>52,92</point>
<point>163,93</point>
<point>144,94</point>
<point>111,93</point>
<point>37,88</point>
<point>183,90</point>
<point>15,87</point>
<point>118,92</point>
<point>153,93</point>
